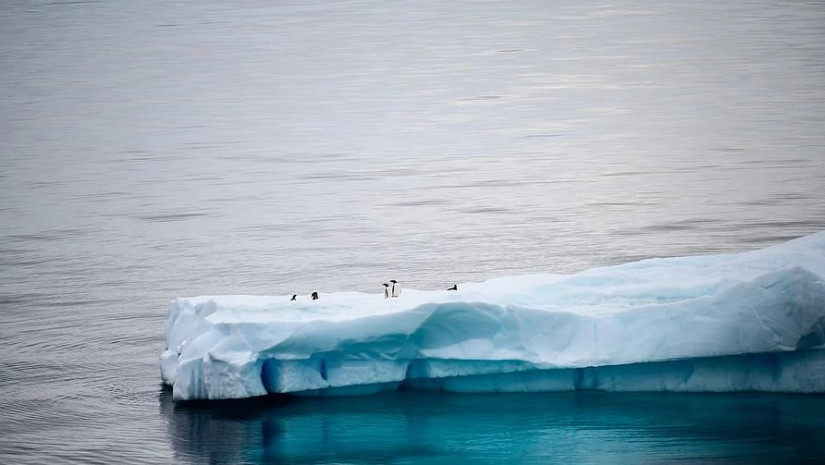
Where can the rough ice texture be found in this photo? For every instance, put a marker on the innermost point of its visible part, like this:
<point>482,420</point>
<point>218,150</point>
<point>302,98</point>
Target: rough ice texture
<point>749,321</point>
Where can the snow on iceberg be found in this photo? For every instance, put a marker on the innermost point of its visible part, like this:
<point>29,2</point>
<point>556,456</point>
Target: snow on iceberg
<point>749,321</point>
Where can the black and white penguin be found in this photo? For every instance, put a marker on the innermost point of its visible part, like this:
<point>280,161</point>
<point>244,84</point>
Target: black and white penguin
<point>314,296</point>
<point>454,288</point>
<point>386,291</point>
<point>294,298</point>
<point>396,289</point>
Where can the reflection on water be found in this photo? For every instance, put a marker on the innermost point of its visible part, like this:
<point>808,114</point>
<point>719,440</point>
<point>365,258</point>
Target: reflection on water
<point>573,427</point>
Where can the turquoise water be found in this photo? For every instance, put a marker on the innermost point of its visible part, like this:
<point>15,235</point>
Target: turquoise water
<point>434,428</point>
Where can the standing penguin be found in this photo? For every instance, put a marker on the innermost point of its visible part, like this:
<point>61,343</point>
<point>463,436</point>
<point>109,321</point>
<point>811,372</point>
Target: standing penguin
<point>314,296</point>
<point>386,291</point>
<point>396,289</point>
<point>294,298</point>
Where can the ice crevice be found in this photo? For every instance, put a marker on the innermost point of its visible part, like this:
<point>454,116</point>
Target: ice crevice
<point>748,321</point>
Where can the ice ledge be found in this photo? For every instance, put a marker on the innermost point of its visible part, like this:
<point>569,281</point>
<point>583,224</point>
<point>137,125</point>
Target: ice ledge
<point>785,372</point>
<point>751,321</point>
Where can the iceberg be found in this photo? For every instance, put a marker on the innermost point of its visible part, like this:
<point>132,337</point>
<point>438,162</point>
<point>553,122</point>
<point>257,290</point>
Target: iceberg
<point>753,321</point>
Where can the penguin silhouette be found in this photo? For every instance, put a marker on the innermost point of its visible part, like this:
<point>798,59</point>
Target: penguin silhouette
<point>396,289</point>
<point>386,291</point>
<point>314,296</point>
<point>294,298</point>
<point>454,288</point>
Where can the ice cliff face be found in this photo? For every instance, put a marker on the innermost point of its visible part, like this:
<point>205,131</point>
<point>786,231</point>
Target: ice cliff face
<point>750,321</point>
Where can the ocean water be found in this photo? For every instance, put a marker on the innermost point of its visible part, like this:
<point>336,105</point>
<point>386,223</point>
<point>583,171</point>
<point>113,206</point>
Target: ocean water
<point>581,427</point>
<point>153,149</point>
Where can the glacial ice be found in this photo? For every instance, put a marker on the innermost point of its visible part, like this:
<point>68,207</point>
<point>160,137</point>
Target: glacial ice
<point>752,321</point>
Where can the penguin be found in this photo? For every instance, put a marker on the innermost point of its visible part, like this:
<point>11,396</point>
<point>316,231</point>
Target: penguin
<point>294,298</point>
<point>396,289</point>
<point>386,291</point>
<point>454,288</point>
<point>314,296</point>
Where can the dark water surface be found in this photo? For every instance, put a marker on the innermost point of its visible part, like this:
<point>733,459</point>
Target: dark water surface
<point>151,149</point>
<point>581,427</point>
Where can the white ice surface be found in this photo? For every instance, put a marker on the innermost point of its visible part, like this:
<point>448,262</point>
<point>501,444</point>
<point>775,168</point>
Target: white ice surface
<point>749,321</point>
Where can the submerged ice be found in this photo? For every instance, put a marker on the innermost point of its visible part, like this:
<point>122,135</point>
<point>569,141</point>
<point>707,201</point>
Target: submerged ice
<point>749,321</point>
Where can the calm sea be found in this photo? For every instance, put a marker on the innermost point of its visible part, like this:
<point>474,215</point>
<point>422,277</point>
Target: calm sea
<point>154,149</point>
